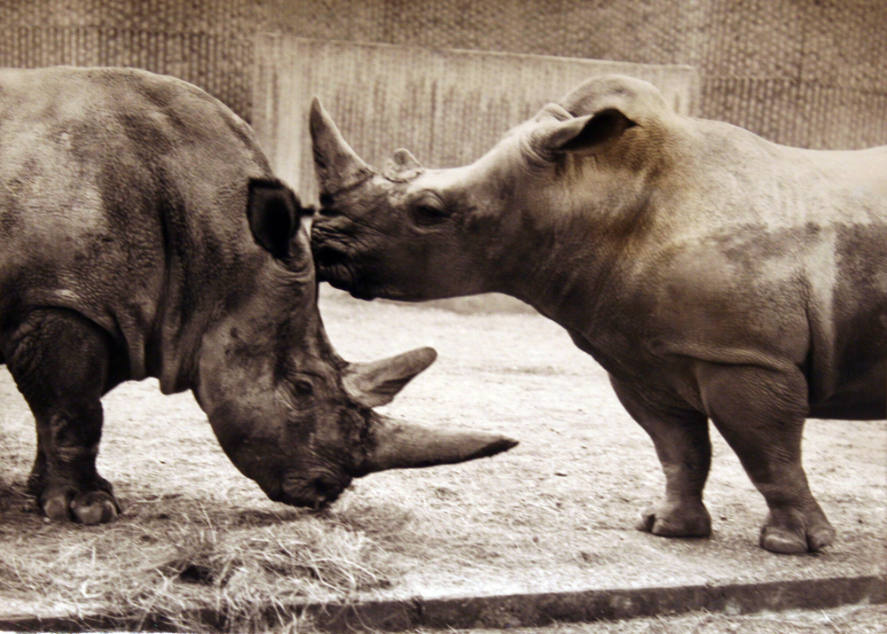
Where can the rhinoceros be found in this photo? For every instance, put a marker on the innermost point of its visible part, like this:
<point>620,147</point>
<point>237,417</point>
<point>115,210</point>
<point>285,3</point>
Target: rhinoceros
<point>712,273</point>
<point>144,235</point>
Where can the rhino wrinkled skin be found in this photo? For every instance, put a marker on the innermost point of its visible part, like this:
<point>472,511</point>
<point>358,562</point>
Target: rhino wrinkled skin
<point>714,275</point>
<point>144,235</point>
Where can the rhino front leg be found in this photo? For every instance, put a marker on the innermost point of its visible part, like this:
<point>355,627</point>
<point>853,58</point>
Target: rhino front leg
<point>761,415</point>
<point>684,449</point>
<point>60,363</point>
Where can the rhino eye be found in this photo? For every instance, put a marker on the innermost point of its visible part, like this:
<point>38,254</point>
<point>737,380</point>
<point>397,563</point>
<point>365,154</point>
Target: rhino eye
<point>303,387</point>
<point>428,213</point>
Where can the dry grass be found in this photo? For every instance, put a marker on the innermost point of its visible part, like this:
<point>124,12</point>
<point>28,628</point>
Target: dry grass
<point>177,571</point>
<point>199,546</point>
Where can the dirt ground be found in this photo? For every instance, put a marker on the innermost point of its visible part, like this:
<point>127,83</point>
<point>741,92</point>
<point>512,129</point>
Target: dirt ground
<point>555,513</point>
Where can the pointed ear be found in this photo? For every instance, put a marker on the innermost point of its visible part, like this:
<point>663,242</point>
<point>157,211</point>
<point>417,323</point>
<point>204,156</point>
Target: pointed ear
<point>273,212</point>
<point>585,133</point>
<point>378,382</point>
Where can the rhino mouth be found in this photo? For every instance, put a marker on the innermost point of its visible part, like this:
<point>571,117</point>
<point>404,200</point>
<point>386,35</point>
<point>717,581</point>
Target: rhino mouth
<point>333,265</point>
<point>329,258</point>
<point>329,255</point>
<point>316,491</point>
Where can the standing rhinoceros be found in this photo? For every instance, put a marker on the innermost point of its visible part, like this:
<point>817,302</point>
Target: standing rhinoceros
<point>129,204</point>
<point>714,275</point>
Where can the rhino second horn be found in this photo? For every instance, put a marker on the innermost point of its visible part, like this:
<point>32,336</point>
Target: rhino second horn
<point>401,445</point>
<point>378,382</point>
<point>338,165</point>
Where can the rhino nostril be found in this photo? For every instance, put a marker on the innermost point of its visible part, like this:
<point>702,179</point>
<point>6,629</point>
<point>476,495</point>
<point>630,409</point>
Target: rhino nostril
<point>324,489</point>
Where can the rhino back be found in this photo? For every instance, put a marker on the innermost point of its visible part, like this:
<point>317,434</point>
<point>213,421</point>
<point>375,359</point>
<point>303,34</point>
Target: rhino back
<point>122,197</point>
<point>780,250</point>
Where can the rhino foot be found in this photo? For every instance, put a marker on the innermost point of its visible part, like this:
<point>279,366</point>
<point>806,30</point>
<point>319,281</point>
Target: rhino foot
<point>61,363</point>
<point>794,532</point>
<point>87,507</point>
<point>670,519</point>
<point>90,503</point>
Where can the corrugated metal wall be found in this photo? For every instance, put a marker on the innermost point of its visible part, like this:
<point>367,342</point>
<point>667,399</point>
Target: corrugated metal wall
<point>803,72</point>
<point>448,107</point>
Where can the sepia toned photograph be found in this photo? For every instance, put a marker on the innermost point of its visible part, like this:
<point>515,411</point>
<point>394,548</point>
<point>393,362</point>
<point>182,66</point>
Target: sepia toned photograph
<point>543,316</point>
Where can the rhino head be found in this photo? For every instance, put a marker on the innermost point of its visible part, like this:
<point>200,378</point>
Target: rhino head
<point>411,233</point>
<point>288,411</point>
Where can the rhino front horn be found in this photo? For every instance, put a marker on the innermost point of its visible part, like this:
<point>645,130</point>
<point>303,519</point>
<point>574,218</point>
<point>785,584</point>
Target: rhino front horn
<point>338,166</point>
<point>403,446</point>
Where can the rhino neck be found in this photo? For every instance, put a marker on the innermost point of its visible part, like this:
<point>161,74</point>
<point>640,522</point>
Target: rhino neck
<point>203,282</point>
<point>177,334</point>
<point>571,263</point>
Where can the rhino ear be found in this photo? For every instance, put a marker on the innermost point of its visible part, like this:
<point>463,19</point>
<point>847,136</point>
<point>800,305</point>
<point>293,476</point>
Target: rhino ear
<point>273,212</point>
<point>402,165</point>
<point>586,133</point>
<point>552,111</point>
<point>378,382</point>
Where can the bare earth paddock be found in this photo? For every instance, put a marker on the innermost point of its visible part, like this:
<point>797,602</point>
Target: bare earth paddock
<point>542,533</point>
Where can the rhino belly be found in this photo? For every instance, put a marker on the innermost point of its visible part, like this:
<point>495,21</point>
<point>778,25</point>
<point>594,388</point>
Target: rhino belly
<point>862,399</point>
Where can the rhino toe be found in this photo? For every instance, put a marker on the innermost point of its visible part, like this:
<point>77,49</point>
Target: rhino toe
<point>88,507</point>
<point>95,507</point>
<point>820,537</point>
<point>56,508</point>
<point>793,531</point>
<point>779,540</point>
<point>674,520</point>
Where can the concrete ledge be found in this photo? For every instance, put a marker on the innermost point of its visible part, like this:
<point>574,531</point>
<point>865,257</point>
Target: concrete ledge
<point>525,610</point>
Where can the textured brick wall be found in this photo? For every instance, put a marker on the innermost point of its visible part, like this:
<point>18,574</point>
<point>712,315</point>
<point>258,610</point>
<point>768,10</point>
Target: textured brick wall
<point>207,42</point>
<point>804,72</point>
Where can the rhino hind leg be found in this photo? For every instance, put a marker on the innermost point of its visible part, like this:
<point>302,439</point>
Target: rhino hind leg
<point>761,415</point>
<point>60,363</point>
<point>684,449</point>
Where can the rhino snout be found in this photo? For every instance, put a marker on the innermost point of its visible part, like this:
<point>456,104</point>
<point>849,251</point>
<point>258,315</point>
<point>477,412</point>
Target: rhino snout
<point>328,256</point>
<point>314,490</point>
<point>327,248</point>
<point>338,265</point>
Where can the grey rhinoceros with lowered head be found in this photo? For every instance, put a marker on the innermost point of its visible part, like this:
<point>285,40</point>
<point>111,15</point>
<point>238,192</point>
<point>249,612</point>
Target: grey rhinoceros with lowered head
<point>144,234</point>
<point>713,274</point>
